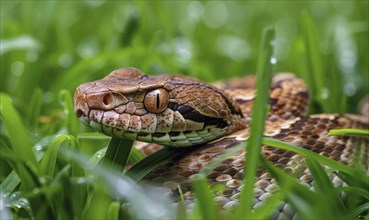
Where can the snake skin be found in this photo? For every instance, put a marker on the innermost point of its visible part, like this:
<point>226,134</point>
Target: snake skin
<point>287,121</point>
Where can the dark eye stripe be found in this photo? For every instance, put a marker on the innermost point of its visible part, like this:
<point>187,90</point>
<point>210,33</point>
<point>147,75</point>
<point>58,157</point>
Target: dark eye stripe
<point>191,114</point>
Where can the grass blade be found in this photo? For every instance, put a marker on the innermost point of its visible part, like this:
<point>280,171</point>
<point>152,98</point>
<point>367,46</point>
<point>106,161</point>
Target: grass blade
<point>299,197</point>
<point>325,202</point>
<point>205,199</point>
<point>10,182</point>
<point>359,191</point>
<point>324,186</point>
<point>315,71</point>
<point>92,136</point>
<point>118,152</point>
<point>264,77</point>
<point>4,210</point>
<point>113,210</point>
<point>122,188</point>
<point>135,156</point>
<point>71,121</point>
<point>362,211</point>
<point>268,207</point>
<point>349,132</point>
<point>34,108</point>
<point>306,153</point>
<point>20,143</point>
<point>149,163</point>
<point>49,160</point>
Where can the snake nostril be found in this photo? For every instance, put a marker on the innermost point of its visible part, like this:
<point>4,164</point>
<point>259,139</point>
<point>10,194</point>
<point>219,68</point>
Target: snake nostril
<point>107,99</point>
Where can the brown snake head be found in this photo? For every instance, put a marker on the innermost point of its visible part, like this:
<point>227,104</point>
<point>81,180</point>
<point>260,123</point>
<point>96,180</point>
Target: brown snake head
<point>169,110</point>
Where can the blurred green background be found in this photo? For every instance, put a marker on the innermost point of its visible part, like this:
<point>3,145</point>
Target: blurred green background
<point>54,45</point>
<point>47,48</point>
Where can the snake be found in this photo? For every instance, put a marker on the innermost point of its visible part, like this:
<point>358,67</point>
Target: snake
<point>177,111</point>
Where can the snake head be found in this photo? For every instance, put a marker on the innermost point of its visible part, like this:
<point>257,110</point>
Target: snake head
<point>168,109</point>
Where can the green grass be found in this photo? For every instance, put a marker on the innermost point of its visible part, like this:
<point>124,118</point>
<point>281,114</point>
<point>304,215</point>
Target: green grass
<point>253,145</point>
<point>50,163</point>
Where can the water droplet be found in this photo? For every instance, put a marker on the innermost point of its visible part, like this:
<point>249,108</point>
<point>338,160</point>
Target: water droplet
<point>22,42</point>
<point>233,47</point>
<point>38,147</point>
<point>17,68</point>
<point>99,155</point>
<point>195,9</point>
<point>183,49</point>
<point>349,89</point>
<point>65,60</point>
<point>273,43</point>
<point>82,180</point>
<point>348,59</point>
<point>93,4</point>
<point>273,60</point>
<point>36,191</point>
<point>32,56</point>
<point>88,48</point>
<point>325,93</point>
<point>48,97</point>
<point>43,180</point>
<point>216,14</point>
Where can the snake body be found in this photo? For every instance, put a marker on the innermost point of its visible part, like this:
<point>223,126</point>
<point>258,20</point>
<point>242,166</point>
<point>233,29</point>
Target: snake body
<point>178,111</point>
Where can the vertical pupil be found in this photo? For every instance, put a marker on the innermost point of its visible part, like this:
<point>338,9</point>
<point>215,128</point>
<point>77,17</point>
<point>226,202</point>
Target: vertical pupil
<point>157,101</point>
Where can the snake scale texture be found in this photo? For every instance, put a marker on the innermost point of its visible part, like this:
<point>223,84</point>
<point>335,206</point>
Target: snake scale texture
<point>177,111</point>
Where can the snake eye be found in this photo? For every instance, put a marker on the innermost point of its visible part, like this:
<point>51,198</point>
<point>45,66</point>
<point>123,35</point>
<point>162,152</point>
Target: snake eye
<point>156,101</point>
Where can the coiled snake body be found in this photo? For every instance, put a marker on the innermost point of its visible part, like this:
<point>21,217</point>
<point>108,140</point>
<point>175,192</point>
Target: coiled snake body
<point>177,111</point>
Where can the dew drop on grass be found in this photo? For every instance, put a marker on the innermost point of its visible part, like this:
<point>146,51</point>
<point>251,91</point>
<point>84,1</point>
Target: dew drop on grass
<point>17,68</point>
<point>183,49</point>
<point>325,93</point>
<point>82,180</point>
<point>48,97</point>
<point>65,60</point>
<point>273,60</point>
<point>100,154</point>
<point>195,9</point>
<point>216,14</point>
<point>88,48</point>
<point>349,89</point>
<point>38,147</point>
<point>43,180</point>
<point>13,196</point>
<point>36,191</point>
<point>17,205</point>
<point>32,56</point>
<point>233,47</point>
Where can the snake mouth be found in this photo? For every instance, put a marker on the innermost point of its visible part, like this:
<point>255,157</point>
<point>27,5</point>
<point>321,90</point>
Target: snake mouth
<point>83,116</point>
<point>81,109</point>
<point>80,113</point>
<point>85,120</point>
<point>146,128</point>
